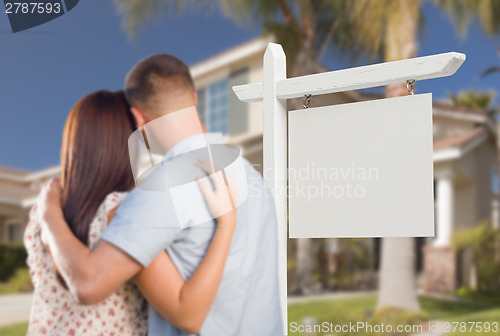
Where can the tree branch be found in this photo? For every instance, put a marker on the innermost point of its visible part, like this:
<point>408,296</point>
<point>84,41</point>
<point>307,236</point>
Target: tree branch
<point>287,13</point>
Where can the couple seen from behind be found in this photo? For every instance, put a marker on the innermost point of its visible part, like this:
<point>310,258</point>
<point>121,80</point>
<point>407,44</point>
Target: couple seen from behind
<point>109,257</point>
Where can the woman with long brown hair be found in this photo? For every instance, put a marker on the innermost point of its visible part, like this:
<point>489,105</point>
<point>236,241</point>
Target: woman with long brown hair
<point>96,176</point>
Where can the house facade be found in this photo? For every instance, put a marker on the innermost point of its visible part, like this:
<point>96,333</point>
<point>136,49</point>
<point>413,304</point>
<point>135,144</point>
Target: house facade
<point>465,160</point>
<point>18,192</point>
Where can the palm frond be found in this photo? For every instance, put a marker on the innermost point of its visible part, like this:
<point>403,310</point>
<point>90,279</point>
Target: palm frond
<point>489,71</point>
<point>473,98</point>
<point>137,12</point>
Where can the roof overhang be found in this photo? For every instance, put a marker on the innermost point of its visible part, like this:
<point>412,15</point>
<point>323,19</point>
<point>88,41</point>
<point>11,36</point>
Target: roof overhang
<point>31,177</point>
<point>23,203</point>
<point>233,55</point>
<point>459,150</point>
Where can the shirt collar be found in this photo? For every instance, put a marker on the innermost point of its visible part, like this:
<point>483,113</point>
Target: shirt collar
<point>194,142</point>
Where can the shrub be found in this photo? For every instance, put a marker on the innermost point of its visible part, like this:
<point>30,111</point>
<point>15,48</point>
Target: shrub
<point>20,282</point>
<point>12,257</point>
<point>484,242</point>
<point>472,294</point>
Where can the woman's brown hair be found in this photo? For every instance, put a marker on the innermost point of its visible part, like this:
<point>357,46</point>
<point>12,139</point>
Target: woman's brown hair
<point>94,156</point>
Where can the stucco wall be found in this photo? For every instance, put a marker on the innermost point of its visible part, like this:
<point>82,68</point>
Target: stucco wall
<point>465,207</point>
<point>473,184</point>
<point>485,160</point>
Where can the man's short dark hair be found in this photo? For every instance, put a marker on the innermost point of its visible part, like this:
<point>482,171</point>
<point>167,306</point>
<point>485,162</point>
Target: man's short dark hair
<point>155,73</point>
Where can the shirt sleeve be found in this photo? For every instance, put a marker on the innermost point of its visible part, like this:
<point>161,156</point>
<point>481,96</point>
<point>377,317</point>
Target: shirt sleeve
<point>144,225</point>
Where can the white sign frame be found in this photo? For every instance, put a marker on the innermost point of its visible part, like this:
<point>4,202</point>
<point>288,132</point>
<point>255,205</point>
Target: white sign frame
<point>275,89</point>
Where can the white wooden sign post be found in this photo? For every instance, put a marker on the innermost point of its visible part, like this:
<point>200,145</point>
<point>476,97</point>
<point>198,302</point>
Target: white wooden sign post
<point>274,92</point>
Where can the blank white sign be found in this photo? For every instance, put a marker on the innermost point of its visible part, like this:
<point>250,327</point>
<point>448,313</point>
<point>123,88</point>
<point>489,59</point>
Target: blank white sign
<point>362,169</point>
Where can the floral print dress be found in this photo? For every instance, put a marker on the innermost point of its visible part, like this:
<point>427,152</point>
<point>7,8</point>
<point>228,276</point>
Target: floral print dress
<point>55,312</point>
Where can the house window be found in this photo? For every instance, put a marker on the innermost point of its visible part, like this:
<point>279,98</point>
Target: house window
<point>11,233</point>
<point>213,106</point>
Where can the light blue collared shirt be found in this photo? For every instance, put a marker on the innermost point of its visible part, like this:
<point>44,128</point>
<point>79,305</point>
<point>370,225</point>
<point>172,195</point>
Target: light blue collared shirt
<point>150,221</point>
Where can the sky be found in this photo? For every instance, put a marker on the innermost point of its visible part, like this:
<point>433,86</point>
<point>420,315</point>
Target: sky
<point>45,70</point>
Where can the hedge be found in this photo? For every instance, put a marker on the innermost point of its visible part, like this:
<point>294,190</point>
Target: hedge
<point>12,258</point>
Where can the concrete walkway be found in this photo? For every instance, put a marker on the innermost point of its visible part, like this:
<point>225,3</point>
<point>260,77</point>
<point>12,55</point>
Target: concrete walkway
<point>15,308</point>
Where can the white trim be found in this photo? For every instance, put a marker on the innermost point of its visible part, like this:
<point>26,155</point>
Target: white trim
<point>29,202</point>
<point>446,154</point>
<point>456,114</point>
<point>49,172</point>
<point>205,81</point>
<point>445,207</point>
<point>229,57</point>
<point>474,143</point>
<point>454,153</point>
<point>249,93</point>
<point>9,201</point>
<point>30,177</point>
<point>23,203</point>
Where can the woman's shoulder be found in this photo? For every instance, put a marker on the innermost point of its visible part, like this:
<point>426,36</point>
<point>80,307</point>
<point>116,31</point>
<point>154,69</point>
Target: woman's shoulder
<point>102,217</point>
<point>112,200</point>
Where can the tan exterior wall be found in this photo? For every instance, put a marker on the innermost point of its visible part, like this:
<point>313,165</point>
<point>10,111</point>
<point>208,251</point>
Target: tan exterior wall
<point>256,160</point>
<point>486,163</point>
<point>464,204</point>
<point>472,184</point>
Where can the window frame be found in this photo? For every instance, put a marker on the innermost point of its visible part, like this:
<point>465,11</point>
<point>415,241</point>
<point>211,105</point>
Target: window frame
<point>209,95</point>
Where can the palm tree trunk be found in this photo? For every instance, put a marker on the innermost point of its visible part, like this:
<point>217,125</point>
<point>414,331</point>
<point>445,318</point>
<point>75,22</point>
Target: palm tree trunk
<point>397,276</point>
<point>397,286</point>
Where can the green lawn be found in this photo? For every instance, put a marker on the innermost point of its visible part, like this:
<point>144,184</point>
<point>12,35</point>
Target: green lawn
<point>4,288</point>
<point>358,309</point>
<point>15,330</point>
<point>343,311</point>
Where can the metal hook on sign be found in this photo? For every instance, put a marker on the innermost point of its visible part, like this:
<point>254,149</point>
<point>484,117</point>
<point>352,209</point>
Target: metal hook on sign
<point>307,101</point>
<point>410,86</point>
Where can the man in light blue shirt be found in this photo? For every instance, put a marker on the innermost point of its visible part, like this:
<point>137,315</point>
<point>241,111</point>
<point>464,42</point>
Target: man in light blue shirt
<point>156,216</point>
<point>249,286</point>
